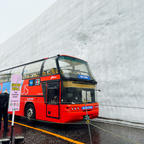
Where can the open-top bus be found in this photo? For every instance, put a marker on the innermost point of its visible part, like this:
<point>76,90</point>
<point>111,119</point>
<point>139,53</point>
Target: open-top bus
<point>58,89</point>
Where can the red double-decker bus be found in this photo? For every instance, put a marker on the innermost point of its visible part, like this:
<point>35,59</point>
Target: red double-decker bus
<point>59,89</point>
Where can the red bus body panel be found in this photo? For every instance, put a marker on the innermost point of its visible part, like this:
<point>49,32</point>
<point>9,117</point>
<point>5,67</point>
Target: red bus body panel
<point>61,113</point>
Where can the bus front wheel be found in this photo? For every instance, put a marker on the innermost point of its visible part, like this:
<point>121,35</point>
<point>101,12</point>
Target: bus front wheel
<point>30,112</point>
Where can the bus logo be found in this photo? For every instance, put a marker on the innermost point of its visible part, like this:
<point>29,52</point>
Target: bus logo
<point>31,82</point>
<point>34,82</point>
<point>53,77</point>
<point>37,81</point>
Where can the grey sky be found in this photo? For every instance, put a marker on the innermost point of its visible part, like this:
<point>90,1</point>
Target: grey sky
<point>15,14</point>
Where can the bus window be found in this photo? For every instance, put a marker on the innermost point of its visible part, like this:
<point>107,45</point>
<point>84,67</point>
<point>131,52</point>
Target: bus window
<point>77,96</point>
<point>74,68</point>
<point>82,69</point>
<point>52,93</point>
<point>50,67</point>
<point>32,70</point>
<point>89,97</point>
<point>84,99</point>
<point>5,76</point>
<point>17,70</point>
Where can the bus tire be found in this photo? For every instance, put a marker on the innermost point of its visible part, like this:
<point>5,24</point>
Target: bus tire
<point>30,112</point>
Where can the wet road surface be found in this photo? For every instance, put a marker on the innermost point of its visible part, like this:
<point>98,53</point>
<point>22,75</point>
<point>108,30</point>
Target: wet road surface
<point>101,133</point>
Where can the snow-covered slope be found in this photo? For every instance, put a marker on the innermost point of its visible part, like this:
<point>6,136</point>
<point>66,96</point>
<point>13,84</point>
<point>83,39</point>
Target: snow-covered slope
<point>108,34</point>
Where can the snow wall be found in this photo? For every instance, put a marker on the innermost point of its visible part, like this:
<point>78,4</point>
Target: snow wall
<point>108,34</point>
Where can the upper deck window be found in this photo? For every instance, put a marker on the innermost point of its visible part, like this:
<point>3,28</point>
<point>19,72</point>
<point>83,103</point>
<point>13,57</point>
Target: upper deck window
<point>74,68</point>
<point>5,76</point>
<point>32,70</point>
<point>17,70</point>
<point>50,67</point>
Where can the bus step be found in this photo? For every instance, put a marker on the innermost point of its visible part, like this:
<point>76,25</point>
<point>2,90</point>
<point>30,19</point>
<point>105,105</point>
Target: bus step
<point>5,141</point>
<point>19,139</point>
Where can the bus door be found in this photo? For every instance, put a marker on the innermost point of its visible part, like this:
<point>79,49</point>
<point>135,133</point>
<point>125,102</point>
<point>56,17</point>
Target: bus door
<point>51,95</point>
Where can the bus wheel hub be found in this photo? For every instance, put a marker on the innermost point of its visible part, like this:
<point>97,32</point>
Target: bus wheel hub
<point>29,113</point>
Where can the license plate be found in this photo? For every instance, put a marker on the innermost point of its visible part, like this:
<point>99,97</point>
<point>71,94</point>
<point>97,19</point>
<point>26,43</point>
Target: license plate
<point>87,107</point>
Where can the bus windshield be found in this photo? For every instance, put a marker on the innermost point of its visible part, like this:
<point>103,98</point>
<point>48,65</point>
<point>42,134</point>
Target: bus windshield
<point>77,96</point>
<point>74,68</point>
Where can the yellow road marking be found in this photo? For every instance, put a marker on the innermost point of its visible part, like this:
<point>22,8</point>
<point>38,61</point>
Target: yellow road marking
<point>47,132</point>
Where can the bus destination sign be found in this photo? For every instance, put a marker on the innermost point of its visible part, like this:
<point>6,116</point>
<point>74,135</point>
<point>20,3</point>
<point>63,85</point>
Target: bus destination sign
<point>83,77</point>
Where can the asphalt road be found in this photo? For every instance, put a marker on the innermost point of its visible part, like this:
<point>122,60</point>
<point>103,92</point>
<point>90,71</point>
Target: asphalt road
<point>101,133</point>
